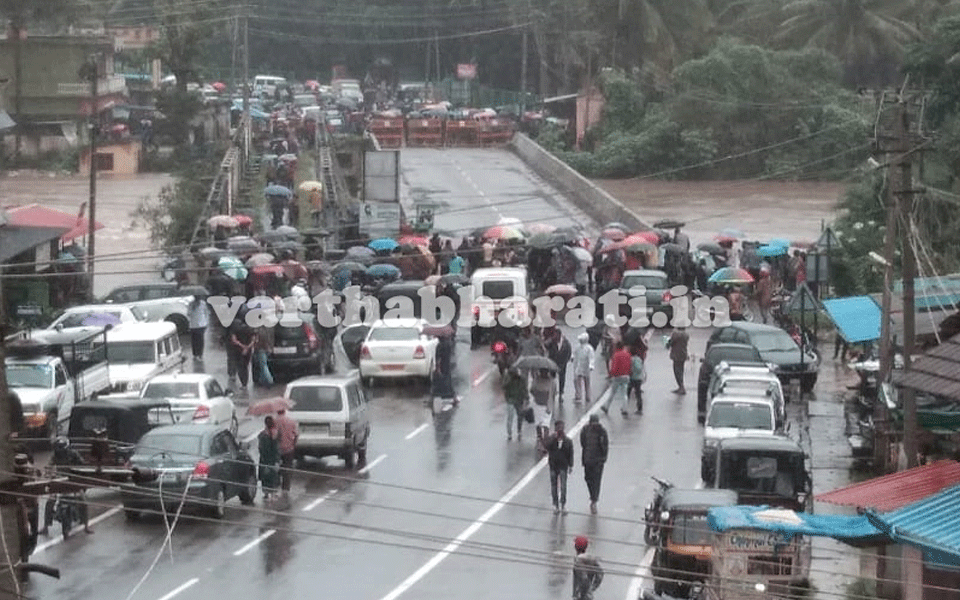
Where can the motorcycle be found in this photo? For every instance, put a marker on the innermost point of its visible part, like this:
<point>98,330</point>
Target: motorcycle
<point>651,514</point>
<point>66,511</point>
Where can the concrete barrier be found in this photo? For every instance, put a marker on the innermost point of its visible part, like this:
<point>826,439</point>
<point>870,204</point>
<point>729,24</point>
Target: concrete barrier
<point>596,203</point>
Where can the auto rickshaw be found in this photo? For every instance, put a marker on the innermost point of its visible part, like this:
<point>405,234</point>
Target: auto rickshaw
<point>684,544</point>
<point>764,470</point>
<point>105,433</point>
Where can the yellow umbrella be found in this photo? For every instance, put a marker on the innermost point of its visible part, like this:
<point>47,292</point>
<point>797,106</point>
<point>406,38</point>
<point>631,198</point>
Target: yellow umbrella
<point>310,186</point>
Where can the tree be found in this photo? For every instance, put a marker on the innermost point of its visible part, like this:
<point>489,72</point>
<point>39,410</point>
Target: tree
<point>867,36</point>
<point>185,28</point>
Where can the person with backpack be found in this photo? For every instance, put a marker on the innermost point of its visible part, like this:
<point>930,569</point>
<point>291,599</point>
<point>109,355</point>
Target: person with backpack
<point>587,572</point>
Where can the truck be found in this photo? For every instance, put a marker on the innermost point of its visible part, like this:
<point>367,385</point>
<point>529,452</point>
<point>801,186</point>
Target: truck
<point>51,372</point>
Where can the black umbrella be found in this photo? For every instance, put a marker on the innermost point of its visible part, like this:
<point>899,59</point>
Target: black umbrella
<point>348,266</point>
<point>710,248</point>
<point>535,363</point>
<point>668,224</point>
<point>273,236</point>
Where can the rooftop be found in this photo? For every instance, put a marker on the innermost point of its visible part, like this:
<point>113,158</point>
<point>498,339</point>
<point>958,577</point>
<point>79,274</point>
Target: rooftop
<point>891,492</point>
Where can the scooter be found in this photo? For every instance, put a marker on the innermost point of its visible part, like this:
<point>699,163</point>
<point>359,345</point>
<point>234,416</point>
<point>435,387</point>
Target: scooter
<point>651,514</point>
<point>502,355</point>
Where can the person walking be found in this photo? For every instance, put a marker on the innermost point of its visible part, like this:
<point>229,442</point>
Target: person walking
<point>587,572</point>
<point>765,294</point>
<point>560,461</point>
<point>199,317</point>
<point>678,342</point>
<point>638,375</point>
<point>443,372</point>
<point>594,444</point>
<point>543,390</point>
<point>560,352</point>
<point>242,341</point>
<point>268,444</point>
<point>264,347</point>
<point>619,376</point>
<point>583,362</point>
<point>287,433</point>
<point>515,394</point>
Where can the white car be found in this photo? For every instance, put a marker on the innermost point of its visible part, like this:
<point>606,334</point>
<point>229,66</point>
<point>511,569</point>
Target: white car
<point>397,348</point>
<point>194,397</point>
<point>735,415</point>
<point>98,316</point>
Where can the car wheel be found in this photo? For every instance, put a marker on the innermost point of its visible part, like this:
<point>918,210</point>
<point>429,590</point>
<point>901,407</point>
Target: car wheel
<point>348,459</point>
<point>362,455</point>
<point>53,426</point>
<point>183,326</point>
<point>218,504</point>
<point>234,425</point>
<point>807,382</point>
<point>131,515</point>
<point>249,491</point>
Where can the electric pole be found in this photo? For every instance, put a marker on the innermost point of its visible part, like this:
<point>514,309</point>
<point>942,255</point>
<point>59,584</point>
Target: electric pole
<point>92,73</point>
<point>523,72</point>
<point>246,86</point>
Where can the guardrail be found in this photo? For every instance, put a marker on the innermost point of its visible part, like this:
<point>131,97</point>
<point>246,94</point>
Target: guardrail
<point>335,194</point>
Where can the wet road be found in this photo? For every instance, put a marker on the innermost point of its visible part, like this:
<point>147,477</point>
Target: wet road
<point>445,506</point>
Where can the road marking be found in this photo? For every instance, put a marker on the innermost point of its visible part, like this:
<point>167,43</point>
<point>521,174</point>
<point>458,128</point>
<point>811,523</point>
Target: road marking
<point>247,547</point>
<point>59,539</point>
<point>491,512</point>
<point>414,433</point>
<point>319,501</point>
<point>636,584</point>
<point>482,377</point>
<point>183,587</point>
<point>372,464</point>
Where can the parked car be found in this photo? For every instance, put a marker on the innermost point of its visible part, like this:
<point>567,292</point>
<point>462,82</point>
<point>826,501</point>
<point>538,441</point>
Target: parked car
<point>202,464</point>
<point>333,417</point>
<point>714,355</point>
<point>777,347</point>
<point>160,301</point>
<point>139,352</point>
<point>731,415</point>
<point>657,291</point>
<point>297,351</point>
<point>194,398</point>
<point>768,470</point>
<point>398,348</point>
<point>748,379</point>
<point>97,316</point>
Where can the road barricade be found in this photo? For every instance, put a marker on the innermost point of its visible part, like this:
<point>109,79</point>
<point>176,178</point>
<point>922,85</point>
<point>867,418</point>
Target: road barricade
<point>463,132</point>
<point>496,132</point>
<point>425,132</point>
<point>389,132</point>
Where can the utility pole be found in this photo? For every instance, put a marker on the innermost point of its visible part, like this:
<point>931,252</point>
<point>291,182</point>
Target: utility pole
<point>92,73</point>
<point>436,49</point>
<point>246,86</point>
<point>523,72</point>
<point>9,511</point>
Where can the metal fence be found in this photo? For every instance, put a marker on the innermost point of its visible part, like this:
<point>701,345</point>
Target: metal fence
<point>226,183</point>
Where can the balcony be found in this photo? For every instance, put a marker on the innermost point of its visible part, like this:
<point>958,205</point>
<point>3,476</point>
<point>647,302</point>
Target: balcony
<point>109,85</point>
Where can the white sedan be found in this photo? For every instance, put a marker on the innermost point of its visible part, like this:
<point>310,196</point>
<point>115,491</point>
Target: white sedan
<point>97,316</point>
<point>194,398</point>
<point>397,348</point>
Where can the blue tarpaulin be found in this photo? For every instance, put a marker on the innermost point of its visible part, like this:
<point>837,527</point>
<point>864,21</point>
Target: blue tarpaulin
<point>849,529</point>
<point>857,318</point>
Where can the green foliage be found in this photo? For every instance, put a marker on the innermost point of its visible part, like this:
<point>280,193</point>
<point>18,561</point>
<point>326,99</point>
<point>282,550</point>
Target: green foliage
<point>179,107</point>
<point>171,217</point>
<point>933,63</point>
<point>860,228</point>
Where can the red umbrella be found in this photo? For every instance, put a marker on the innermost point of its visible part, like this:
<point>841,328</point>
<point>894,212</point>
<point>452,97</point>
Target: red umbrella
<point>218,85</point>
<point>243,220</point>
<point>413,240</point>
<point>269,406</point>
<point>561,289</point>
<point>503,232</point>
<point>273,269</point>
<point>613,233</point>
<point>725,239</point>
<point>649,237</point>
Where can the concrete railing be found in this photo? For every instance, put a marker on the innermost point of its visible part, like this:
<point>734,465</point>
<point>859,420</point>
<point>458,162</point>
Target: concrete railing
<point>585,195</point>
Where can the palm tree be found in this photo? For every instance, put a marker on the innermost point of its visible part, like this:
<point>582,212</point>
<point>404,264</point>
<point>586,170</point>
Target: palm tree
<point>867,36</point>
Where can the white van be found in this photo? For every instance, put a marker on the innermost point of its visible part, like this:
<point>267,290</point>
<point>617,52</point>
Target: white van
<point>333,416</point>
<point>268,84</point>
<point>138,352</point>
<point>495,290</point>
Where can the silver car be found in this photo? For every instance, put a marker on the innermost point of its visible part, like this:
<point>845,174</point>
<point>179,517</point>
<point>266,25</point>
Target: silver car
<point>333,417</point>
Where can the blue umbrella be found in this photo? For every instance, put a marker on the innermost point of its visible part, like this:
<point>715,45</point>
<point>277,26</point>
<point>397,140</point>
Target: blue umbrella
<point>383,245</point>
<point>768,251</point>
<point>779,242</point>
<point>383,271</point>
<point>277,190</point>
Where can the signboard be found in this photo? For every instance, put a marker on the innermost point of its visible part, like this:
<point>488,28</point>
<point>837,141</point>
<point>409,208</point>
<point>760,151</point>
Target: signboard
<point>466,71</point>
<point>379,219</point>
<point>818,273</point>
<point>381,176</point>
<point>425,213</point>
<point>828,241</point>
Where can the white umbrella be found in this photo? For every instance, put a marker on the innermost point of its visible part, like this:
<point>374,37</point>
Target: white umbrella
<point>583,255</point>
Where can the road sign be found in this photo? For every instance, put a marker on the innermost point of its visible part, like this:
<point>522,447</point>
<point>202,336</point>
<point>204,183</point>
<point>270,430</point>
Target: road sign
<point>828,241</point>
<point>379,219</point>
<point>381,176</point>
<point>466,71</point>
<point>425,213</point>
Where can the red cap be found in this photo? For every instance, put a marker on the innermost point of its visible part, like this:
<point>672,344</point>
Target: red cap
<point>580,543</point>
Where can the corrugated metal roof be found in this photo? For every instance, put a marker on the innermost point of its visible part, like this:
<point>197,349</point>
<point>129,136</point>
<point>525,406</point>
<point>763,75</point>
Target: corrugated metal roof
<point>936,373</point>
<point>932,523</point>
<point>34,215</point>
<point>890,492</point>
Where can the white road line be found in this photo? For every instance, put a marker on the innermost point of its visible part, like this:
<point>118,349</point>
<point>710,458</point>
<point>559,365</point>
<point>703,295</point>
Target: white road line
<point>491,512</point>
<point>249,546</point>
<point>372,464</point>
<point>482,377</point>
<point>183,587</point>
<point>59,539</point>
<point>414,433</point>
<point>643,570</point>
<point>319,501</point>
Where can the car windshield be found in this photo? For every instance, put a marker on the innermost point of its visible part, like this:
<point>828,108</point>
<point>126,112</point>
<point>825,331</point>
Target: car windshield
<point>92,317</point>
<point>132,352</point>
<point>36,376</point>
<point>740,415</point>
<point>394,334</point>
<point>690,530</point>
<point>759,472</point>
<point>316,398</point>
<point>169,443</point>
<point>650,282</point>
<point>171,389</point>
<point>497,289</point>
<point>773,341</point>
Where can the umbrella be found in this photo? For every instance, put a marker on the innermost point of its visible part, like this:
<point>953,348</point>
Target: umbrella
<point>294,270</point>
<point>544,240</point>
<point>639,247</point>
<point>503,232</point>
<point>779,242</point>
<point>438,330</point>
<point>383,271</point>
<point>730,275</point>
<point>198,291</point>
<point>258,259</point>
<point>646,236</point>
<point>561,289</point>
<point>723,238</point>
<point>533,363</point>
<point>212,253</point>
<point>272,236</point>
<point>583,255</point>
<point>232,267</point>
<point>241,244</point>
<point>356,252</point>
<point>100,320</point>
<point>271,269</point>
<point>277,190</point>
<point>315,232</point>
<point>538,228</point>
<point>219,86</point>
<point>288,246</point>
<point>310,186</point>
<point>413,240</point>
<point>617,225</point>
<point>348,266</point>
<point>668,224</point>
<point>222,221</point>
<point>732,232</point>
<point>243,220</point>
<point>613,233</point>
<point>710,248</point>
<point>269,406</point>
<point>288,232</point>
<point>768,251</point>
<point>673,248</point>
<point>67,258</point>
<point>383,245</point>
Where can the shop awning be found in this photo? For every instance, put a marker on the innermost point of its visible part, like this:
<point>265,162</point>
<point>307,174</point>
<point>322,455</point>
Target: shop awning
<point>34,215</point>
<point>894,491</point>
<point>857,318</point>
<point>856,530</point>
<point>14,240</point>
<point>932,524</point>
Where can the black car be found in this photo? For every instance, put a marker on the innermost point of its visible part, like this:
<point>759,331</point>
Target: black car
<point>351,340</point>
<point>298,351</point>
<point>777,347</point>
<point>657,292</point>
<point>716,354</point>
<point>202,464</point>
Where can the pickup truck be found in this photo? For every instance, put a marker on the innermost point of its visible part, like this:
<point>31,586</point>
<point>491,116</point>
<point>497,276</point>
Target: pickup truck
<point>53,371</point>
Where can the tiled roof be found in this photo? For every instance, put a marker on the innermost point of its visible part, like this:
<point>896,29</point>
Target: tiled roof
<point>891,492</point>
